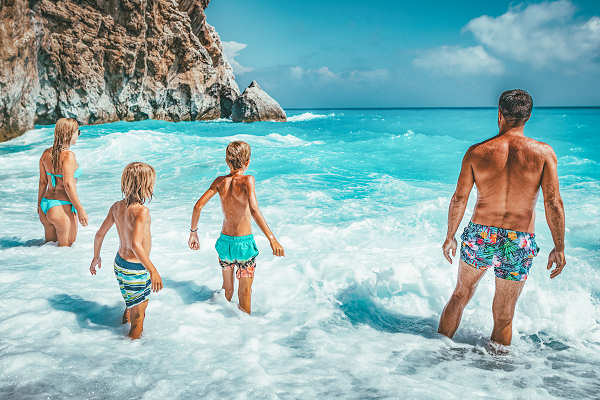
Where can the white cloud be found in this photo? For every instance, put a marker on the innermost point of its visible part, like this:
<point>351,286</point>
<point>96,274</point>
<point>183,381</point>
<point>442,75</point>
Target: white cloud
<point>326,74</point>
<point>539,34</point>
<point>369,74</point>
<point>459,60</point>
<point>231,50</point>
<point>297,72</point>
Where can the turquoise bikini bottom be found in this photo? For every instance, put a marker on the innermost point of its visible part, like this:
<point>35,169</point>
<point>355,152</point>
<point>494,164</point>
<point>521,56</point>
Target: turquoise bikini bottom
<point>47,204</point>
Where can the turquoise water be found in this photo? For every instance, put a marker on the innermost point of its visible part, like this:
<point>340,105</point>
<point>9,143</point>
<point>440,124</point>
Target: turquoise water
<point>359,199</point>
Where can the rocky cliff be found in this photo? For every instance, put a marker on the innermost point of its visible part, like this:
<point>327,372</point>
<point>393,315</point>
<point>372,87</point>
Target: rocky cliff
<point>256,105</point>
<point>106,60</point>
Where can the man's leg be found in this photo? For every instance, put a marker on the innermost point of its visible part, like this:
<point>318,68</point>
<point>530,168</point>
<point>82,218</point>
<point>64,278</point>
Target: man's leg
<point>228,282</point>
<point>468,278</point>
<point>136,316</point>
<point>245,293</point>
<point>503,308</point>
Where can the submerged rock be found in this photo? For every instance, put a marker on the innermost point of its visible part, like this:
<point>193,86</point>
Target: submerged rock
<point>256,105</point>
<point>107,60</point>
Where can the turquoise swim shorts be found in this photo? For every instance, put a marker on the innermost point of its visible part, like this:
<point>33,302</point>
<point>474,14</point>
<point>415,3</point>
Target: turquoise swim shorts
<point>236,248</point>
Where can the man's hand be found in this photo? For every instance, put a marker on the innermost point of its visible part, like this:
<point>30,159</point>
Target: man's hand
<point>277,248</point>
<point>97,261</point>
<point>449,245</point>
<point>157,283</point>
<point>193,241</point>
<point>83,218</point>
<point>558,258</point>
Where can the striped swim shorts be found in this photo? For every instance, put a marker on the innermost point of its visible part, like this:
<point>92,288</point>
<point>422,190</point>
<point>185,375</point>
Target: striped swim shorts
<point>134,281</point>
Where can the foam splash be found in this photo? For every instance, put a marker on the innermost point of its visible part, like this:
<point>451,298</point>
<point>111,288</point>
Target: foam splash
<point>308,116</point>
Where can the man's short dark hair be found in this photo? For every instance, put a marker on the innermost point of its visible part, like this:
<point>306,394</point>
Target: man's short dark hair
<point>515,106</point>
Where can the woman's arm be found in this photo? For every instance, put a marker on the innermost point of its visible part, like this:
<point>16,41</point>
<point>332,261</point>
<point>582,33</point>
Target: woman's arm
<point>104,228</point>
<point>43,182</point>
<point>69,165</point>
<point>260,220</point>
<point>137,245</point>
<point>193,241</point>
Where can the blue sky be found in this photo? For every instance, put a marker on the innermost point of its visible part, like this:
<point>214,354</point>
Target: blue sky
<point>402,54</point>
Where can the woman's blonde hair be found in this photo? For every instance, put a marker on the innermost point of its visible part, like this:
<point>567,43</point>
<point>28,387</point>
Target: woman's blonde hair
<point>137,183</point>
<point>63,133</point>
<point>237,154</point>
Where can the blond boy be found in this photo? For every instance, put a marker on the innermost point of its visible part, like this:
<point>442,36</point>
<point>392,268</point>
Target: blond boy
<point>236,247</point>
<point>134,271</point>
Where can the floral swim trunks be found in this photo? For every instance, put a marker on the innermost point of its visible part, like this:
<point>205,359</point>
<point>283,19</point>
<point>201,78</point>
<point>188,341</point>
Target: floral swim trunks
<point>509,252</point>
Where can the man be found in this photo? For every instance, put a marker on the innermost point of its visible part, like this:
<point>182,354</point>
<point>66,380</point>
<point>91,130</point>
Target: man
<point>508,170</point>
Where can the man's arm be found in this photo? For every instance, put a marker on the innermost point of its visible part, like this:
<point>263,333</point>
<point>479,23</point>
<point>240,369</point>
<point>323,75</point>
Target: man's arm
<point>193,241</point>
<point>99,238</point>
<point>137,245</point>
<point>458,204</point>
<point>555,212</point>
<point>260,220</point>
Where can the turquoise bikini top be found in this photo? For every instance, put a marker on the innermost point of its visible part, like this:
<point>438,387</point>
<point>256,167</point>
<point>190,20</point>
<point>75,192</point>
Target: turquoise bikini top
<point>53,177</point>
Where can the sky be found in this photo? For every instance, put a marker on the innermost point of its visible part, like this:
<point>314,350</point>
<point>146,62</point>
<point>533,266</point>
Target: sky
<point>327,53</point>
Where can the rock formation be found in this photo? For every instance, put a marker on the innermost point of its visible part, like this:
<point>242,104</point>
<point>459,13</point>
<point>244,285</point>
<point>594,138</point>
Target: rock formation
<point>106,60</point>
<point>256,105</point>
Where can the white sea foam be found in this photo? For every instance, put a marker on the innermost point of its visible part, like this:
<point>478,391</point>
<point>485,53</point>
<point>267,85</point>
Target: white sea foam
<point>307,116</point>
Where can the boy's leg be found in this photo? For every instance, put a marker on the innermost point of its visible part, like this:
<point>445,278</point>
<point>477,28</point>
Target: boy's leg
<point>228,282</point>
<point>125,316</point>
<point>245,292</point>
<point>136,316</point>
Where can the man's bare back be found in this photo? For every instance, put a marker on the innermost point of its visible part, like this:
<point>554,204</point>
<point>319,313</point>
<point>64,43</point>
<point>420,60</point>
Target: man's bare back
<point>507,170</point>
<point>125,218</point>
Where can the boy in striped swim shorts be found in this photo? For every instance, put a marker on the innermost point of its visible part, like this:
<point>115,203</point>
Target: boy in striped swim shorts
<point>134,271</point>
<point>236,247</point>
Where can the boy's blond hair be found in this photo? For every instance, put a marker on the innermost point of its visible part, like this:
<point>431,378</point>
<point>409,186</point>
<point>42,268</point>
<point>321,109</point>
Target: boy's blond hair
<point>63,133</point>
<point>137,183</point>
<point>237,154</point>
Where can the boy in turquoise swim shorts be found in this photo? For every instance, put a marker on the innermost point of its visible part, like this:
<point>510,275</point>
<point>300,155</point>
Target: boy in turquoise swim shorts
<point>135,273</point>
<point>236,247</point>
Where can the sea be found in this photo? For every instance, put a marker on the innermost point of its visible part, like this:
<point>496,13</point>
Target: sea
<point>358,198</point>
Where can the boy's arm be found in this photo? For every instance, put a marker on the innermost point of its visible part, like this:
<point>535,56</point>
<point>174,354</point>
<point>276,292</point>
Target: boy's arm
<point>260,220</point>
<point>458,204</point>
<point>137,245</point>
<point>99,238</point>
<point>193,241</point>
<point>555,213</point>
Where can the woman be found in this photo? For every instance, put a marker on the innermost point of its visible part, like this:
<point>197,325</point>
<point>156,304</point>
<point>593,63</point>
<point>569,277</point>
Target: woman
<point>58,203</point>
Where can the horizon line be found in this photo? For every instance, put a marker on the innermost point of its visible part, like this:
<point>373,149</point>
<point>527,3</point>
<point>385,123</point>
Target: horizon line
<point>430,108</point>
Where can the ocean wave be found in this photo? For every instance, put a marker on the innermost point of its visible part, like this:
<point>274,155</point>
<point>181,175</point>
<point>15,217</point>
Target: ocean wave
<point>307,116</point>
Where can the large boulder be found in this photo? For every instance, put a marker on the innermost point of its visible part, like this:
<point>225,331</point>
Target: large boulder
<point>256,105</point>
<point>107,60</point>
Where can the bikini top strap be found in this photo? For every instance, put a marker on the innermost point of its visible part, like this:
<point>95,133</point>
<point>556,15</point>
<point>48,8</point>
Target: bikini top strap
<point>53,178</point>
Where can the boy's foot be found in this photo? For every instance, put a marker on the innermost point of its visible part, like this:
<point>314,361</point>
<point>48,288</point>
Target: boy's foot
<point>125,316</point>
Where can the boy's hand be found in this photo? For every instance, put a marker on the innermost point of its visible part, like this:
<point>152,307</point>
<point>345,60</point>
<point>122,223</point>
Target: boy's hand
<point>96,261</point>
<point>193,242</point>
<point>157,284</point>
<point>277,248</point>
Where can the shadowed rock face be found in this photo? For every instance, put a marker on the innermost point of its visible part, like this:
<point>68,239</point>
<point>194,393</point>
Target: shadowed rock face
<point>256,105</point>
<point>107,60</point>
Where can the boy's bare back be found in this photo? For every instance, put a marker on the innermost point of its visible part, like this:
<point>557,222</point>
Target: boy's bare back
<point>235,192</point>
<point>125,220</point>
